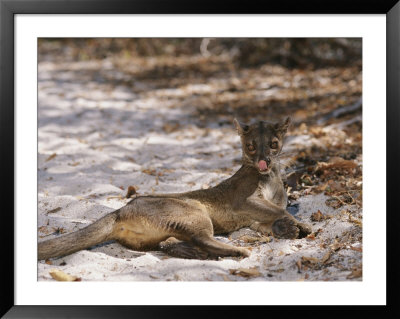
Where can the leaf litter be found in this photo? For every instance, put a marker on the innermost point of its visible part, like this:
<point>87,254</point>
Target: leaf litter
<point>178,115</point>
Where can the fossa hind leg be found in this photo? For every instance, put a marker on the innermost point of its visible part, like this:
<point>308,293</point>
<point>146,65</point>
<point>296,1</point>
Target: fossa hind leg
<point>196,229</point>
<point>218,249</point>
<point>200,248</point>
<point>201,244</point>
<point>183,249</point>
<point>147,221</point>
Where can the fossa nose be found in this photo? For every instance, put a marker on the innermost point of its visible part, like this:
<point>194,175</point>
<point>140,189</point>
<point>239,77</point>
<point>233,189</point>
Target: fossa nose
<point>263,165</point>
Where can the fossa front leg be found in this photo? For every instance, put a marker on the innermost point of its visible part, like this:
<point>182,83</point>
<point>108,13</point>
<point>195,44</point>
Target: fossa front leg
<point>269,217</point>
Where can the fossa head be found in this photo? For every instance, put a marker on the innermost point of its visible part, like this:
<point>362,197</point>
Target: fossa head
<point>261,143</point>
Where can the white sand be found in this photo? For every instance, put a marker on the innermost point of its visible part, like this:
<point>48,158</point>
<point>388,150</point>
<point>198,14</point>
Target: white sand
<point>104,138</point>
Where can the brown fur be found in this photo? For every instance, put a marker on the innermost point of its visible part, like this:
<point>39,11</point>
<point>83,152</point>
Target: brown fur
<point>250,198</point>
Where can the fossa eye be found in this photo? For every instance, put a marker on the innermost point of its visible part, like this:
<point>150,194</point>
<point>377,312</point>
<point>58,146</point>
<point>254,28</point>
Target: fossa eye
<point>274,145</point>
<point>251,148</point>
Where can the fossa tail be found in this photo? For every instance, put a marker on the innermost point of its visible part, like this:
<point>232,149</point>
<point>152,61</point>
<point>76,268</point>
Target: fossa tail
<point>96,233</point>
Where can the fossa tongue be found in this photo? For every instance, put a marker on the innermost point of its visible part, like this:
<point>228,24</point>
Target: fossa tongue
<point>262,165</point>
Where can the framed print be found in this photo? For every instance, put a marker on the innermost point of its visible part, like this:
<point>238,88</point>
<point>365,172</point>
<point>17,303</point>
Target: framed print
<point>173,155</point>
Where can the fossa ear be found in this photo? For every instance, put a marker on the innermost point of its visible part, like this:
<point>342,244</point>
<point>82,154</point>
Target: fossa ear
<point>241,128</point>
<point>282,127</point>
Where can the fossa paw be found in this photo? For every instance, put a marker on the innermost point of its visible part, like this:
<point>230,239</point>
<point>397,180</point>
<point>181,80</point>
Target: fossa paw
<point>285,228</point>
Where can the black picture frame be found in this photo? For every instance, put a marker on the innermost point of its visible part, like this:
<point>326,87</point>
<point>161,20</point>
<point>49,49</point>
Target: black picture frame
<point>8,10</point>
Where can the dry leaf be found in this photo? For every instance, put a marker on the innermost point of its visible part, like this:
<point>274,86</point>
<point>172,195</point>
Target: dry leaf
<point>55,210</point>
<point>149,171</point>
<point>356,248</point>
<point>326,257</point>
<point>317,216</point>
<point>114,197</point>
<point>336,163</point>
<point>249,239</point>
<point>43,229</point>
<point>169,128</point>
<point>243,272</point>
<point>177,277</point>
<point>310,259</point>
<point>356,273</point>
<point>253,239</point>
<point>311,236</point>
<point>334,186</point>
<point>225,277</point>
<point>298,264</point>
<point>62,276</point>
<point>333,202</point>
<point>59,230</point>
<point>51,157</point>
<point>74,164</point>
<point>131,191</point>
<point>131,159</point>
<point>279,270</point>
<point>336,245</point>
<point>355,221</point>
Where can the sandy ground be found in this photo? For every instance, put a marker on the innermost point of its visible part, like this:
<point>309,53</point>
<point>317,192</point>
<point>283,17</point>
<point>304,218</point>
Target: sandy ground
<point>95,141</point>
